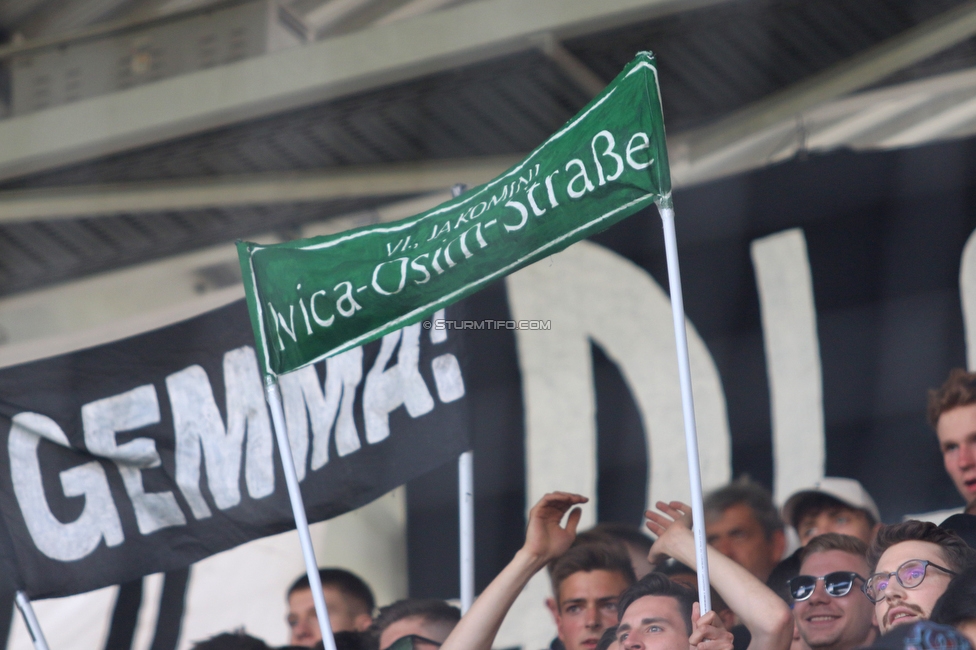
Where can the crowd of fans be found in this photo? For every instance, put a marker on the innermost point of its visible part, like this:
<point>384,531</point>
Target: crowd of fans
<point>852,583</point>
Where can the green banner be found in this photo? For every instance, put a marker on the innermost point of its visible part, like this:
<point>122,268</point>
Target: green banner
<point>314,298</point>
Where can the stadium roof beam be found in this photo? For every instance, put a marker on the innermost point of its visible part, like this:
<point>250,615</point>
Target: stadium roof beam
<point>885,118</point>
<point>330,13</point>
<point>942,124</point>
<point>580,74</point>
<point>301,76</point>
<point>873,65</point>
<point>351,182</point>
<point>412,8</point>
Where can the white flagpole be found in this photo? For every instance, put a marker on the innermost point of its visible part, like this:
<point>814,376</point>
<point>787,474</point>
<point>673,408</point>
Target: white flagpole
<point>33,627</point>
<point>466,505</point>
<point>687,406</point>
<point>466,512</point>
<point>273,395</point>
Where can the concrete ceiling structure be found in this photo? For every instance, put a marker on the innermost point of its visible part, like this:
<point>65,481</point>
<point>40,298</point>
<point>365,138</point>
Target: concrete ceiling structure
<point>375,102</point>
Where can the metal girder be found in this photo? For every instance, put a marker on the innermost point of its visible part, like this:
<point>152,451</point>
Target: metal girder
<point>257,189</point>
<point>149,16</point>
<point>412,8</point>
<point>587,80</point>
<point>865,120</point>
<point>895,116</point>
<point>317,72</point>
<point>913,45</point>
<point>900,115</point>
<point>64,16</point>
<point>321,19</point>
<point>940,125</point>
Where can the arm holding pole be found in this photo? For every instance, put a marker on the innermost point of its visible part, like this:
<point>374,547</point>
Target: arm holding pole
<point>763,613</point>
<point>545,539</point>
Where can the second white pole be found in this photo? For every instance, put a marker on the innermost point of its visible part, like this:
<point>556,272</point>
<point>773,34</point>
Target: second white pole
<point>465,506</point>
<point>298,510</point>
<point>687,406</point>
<point>30,619</point>
<point>466,516</point>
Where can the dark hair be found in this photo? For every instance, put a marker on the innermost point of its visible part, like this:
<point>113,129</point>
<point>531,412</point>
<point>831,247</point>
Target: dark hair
<point>783,572</point>
<point>345,582</point>
<point>616,531</point>
<point>609,636</point>
<point>350,641</point>
<point>958,555</point>
<point>745,491</point>
<point>236,640</point>
<point>655,584</point>
<point>813,504</point>
<point>591,556</point>
<point>958,603</point>
<point>958,390</point>
<point>834,542</point>
<point>431,610</point>
<point>673,568</point>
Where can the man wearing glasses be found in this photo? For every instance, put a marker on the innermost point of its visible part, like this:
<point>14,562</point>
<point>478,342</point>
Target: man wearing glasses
<point>829,608</point>
<point>914,562</point>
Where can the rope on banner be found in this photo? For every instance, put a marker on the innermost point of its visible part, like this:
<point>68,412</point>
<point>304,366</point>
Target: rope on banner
<point>273,395</point>
<point>687,404</point>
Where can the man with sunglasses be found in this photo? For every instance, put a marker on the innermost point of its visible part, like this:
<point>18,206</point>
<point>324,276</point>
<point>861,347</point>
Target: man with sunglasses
<point>829,608</point>
<point>913,564</point>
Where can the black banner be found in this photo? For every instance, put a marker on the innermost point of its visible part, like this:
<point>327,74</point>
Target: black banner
<point>885,234</point>
<point>153,452</point>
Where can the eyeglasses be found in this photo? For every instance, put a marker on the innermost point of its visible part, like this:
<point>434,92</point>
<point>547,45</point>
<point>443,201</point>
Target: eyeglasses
<point>413,642</point>
<point>837,584</point>
<point>909,575</point>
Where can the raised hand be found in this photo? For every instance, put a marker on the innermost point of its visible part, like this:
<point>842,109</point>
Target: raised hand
<point>672,526</point>
<point>763,613</point>
<point>708,633</point>
<point>545,539</point>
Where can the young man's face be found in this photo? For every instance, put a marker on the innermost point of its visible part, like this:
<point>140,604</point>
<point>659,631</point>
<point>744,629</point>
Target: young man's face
<point>830,623</point>
<point>304,624</point>
<point>900,605</point>
<point>587,605</point>
<point>653,623</point>
<point>835,519</point>
<point>738,534</point>
<point>956,429</point>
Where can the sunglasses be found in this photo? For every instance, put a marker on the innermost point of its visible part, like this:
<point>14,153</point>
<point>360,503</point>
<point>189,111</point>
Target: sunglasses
<point>836,584</point>
<point>413,642</point>
<point>909,575</point>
